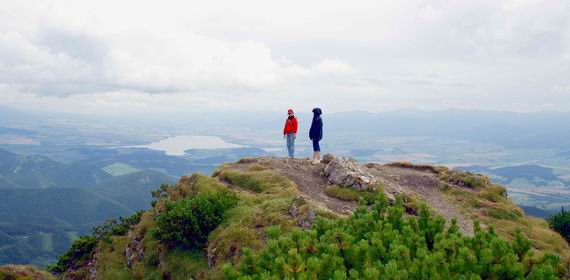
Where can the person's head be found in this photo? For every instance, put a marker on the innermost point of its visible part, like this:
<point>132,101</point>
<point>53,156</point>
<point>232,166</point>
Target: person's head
<point>317,112</point>
<point>290,113</point>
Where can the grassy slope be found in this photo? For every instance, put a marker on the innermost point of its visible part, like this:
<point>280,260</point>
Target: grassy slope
<point>488,203</point>
<point>23,272</point>
<point>267,205</point>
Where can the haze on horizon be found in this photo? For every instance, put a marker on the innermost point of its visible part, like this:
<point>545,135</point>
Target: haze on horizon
<point>109,57</point>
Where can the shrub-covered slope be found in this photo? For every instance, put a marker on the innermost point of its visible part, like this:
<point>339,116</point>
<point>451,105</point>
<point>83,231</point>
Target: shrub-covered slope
<point>271,218</point>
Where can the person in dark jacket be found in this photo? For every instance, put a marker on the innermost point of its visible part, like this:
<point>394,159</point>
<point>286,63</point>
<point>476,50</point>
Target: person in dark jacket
<point>316,134</point>
<point>290,132</point>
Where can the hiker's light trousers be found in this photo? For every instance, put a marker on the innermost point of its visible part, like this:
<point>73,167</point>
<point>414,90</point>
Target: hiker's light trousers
<point>291,144</point>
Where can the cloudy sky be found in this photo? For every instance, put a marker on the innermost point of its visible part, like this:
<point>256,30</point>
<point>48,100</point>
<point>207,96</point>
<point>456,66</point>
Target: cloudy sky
<point>164,56</point>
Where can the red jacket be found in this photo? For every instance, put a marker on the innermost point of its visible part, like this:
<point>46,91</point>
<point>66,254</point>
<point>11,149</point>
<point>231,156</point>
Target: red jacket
<point>291,126</point>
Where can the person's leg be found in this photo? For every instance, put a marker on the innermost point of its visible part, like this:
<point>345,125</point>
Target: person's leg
<point>288,138</point>
<point>316,149</point>
<point>318,156</point>
<point>292,152</point>
<point>291,144</point>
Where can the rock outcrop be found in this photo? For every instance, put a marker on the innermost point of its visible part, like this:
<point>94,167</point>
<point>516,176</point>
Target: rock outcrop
<point>134,251</point>
<point>346,172</point>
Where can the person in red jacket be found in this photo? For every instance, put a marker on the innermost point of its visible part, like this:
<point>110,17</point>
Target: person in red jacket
<point>290,132</point>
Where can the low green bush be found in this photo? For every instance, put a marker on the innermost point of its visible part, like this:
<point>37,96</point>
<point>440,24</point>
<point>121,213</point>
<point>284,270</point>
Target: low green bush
<point>82,248</point>
<point>186,223</point>
<point>561,223</point>
<point>78,254</point>
<point>379,242</point>
<point>114,227</point>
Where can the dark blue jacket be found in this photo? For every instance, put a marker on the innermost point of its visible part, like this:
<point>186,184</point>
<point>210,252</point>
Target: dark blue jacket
<point>316,131</point>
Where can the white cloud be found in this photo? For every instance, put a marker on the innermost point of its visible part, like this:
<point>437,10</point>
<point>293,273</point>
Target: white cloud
<point>371,55</point>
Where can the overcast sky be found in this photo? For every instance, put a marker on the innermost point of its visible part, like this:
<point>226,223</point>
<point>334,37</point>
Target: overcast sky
<point>163,56</point>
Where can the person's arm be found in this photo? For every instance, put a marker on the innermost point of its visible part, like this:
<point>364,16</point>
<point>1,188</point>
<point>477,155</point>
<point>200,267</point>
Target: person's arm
<point>295,127</point>
<point>285,130</point>
<point>320,129</point>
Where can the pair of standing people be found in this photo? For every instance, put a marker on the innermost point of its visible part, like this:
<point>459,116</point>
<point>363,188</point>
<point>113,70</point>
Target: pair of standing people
<point>315,133</point>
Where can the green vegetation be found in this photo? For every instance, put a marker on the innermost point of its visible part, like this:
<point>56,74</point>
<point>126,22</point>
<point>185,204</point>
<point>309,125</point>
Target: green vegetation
<point>111,262</point>
<point>379,243</point>
<point>112,227</point>
<point>255,227</point>
<point>119,168</point>
<point>561,223</point>
<point>82,248</point>
<point>77,255</point>
<point>242,226</point>
<point>466,179</point>
<point>36,226</point>
<point>421,167</point>
<point>245,224</point>
<point>351,194</point>
<point>255,180</point>
<point>490,205</point>
<point>188,222</point>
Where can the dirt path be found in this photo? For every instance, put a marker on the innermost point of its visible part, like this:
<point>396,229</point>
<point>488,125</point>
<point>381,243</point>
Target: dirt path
<point>311,181</point>
<point>424,185</point>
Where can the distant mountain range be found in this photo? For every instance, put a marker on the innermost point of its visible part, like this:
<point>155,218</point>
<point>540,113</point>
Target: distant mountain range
<point>509,129</point>
<point>39,172</point>
<point>45,205</point>
<point>535,130</point>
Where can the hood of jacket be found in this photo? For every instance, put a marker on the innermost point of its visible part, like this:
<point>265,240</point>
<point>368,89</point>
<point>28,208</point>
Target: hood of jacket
<point>317,112</point>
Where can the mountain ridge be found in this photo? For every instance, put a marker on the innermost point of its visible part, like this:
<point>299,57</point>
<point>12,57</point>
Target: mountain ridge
<point>293,194</point>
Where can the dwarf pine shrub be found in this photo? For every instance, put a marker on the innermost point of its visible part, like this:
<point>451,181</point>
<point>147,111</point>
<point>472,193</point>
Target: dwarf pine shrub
<point>186,223</point>
<point>379,242</point>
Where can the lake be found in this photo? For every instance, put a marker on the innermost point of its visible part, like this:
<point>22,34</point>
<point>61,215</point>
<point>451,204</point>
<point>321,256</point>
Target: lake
<point>176,145</point>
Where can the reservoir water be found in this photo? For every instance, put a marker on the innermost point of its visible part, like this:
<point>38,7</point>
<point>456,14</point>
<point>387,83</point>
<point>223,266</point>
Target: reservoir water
<point>176,145</point>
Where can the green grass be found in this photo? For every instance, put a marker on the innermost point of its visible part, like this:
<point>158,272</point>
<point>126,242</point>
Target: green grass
<point>257,167</point>
<point>268,207</point>
<point>490,206</point>
<point>119,168</point>
<point>346,194</point>
<point>350,194</point>
<point>504,214</point>
<point>111,260</point>
<point>256,181</point>
<point>183,265</point>
<point>245,224</point>
<point>466,179</point>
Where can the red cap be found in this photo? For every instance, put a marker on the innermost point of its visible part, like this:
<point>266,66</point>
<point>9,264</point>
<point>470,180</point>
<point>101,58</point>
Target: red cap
<point>290,111</point>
